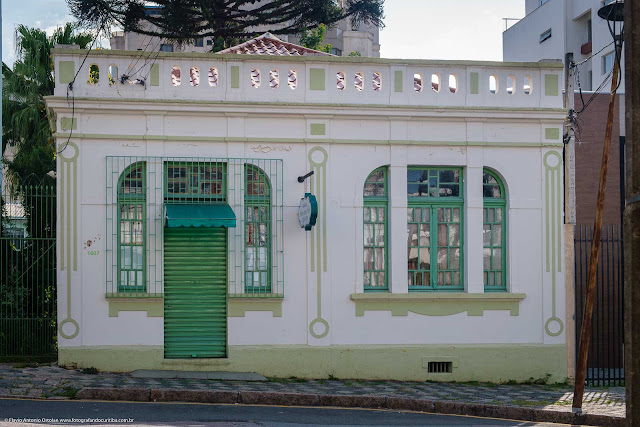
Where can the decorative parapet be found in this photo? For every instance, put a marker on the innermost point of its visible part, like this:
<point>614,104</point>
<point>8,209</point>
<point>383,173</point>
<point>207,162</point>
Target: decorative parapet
<point>437,303</point>
<point>209,77</point>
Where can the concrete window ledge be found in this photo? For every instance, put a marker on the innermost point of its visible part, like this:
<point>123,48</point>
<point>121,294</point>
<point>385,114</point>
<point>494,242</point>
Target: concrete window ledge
<point>237,307</point>
<point>437,303</point>
<point>239,304</point>
<point>154,306</point>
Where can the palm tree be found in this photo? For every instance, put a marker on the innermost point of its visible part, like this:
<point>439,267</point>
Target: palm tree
<point>25,125</point>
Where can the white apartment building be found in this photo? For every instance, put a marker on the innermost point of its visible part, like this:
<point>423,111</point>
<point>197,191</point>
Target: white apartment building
<point>552,28</point>
<point>343,37</point>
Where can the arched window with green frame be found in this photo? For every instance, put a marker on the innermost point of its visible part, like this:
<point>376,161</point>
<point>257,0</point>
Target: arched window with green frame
<point>257,231</point>
<point>494,233</point>
<point>132,229</point>
<point>375,207</point>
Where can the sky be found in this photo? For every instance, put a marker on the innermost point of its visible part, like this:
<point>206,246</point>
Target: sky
<point>423,29</point>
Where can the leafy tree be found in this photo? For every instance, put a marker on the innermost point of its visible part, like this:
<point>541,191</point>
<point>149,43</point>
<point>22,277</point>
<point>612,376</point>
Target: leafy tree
<point>355,53</point>
<point>185,20</point>
<point>24,118</point>
<point>313,39</point>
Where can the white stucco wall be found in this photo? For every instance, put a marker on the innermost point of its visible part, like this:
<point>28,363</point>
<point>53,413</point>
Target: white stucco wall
<point>508,133</point>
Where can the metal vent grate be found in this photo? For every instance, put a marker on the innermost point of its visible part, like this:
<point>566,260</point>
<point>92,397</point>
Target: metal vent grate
<point>440,367</point>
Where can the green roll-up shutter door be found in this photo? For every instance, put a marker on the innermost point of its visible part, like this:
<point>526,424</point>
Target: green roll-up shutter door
<point>195,293</point>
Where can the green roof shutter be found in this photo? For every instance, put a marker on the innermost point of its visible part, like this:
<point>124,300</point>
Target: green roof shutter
<point>193,215</point>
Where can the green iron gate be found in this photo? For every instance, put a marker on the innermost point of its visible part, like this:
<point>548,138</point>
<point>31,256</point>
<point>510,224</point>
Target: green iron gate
<point>28,272</point>
<point>195,292</point>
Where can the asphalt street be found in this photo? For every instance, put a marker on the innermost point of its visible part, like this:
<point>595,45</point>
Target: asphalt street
<point>20,411</point>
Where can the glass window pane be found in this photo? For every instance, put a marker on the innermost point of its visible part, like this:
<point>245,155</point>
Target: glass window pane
<point>443,259</point>
<point>497,235</point>
<point>426,215</point>
<point>486,258</point>
<point>367,214</point>
<point>381,214</point>
<point>368,234</point>
<point>410,214</point>
<point>486,235</point>
<point>379,234</point>
<point>413,235</point>
<point>497,259</point>
<point>368,259</point>
<point>413,258</point>
<point>425,235</point>
<point>250,261</point>
<point>454,259</point>
<point>442,234</point>
<point>262,259</point>
<point>374,216</point>
<point>379,259</point>
<point>425,259</point>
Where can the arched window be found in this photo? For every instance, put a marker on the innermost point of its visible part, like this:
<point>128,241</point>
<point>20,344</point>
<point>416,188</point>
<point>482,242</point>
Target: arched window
<point>494,232</point>
<point>257,231</point>
<point>131,229</point>
<point>435,223</point>
<point>376,202</point>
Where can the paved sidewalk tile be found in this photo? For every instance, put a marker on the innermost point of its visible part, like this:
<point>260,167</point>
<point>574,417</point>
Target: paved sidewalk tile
<point>51,381</point>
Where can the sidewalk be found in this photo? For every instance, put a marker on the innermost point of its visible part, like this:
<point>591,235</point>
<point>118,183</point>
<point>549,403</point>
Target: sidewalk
<point>543,403</point>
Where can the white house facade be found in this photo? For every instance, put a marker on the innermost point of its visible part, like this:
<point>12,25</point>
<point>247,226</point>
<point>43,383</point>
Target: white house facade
<point>437,250</point>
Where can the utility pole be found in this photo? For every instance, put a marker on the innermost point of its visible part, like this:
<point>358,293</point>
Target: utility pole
<point>608,12</point>
<point>632,214</point>
<point>570,211</point>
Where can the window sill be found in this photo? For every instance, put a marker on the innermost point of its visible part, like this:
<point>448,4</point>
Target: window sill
<point>437,303</point>
<point>153,304</point>
<point>239,304</point>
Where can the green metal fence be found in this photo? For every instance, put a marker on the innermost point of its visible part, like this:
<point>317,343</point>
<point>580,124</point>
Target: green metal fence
<point>138,189</point>
<point>28,272</point>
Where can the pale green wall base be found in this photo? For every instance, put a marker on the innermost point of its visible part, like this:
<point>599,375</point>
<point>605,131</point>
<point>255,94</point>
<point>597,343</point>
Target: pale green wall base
<point>497,363</point>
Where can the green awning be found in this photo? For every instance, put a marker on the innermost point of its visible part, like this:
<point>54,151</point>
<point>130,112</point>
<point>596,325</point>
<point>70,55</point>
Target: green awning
<point>194,215</point>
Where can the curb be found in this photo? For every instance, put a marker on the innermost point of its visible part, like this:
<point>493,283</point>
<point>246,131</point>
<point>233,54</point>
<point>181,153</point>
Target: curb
<point>347,401</point>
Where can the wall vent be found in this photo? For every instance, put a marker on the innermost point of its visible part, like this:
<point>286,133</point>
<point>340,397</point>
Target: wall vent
<point>440,367</point>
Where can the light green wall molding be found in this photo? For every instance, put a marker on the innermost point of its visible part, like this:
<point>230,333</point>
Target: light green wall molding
<point>552,133</point>
<point>154,75</point>
<point>474,83</point>
<point>316,79</point>
<point>235,77</point>
<point>553,229</point>
<point>497,363</point>
<point>68,153</point>
<point>437,303</point>
<point>551,84</point>
<point>153,306</point>
<point>66,71</point>
<point>397,80</point>
<point>318,129</point>
<point>238,306</point>
<point>189,102</point>
<point>180,138</point>
<point>322,59</point>
<point>67,123</point>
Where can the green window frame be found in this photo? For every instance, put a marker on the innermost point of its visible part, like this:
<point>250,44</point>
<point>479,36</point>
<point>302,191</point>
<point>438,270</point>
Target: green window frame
<point>257,231</point>
<point>435,208</point>
<point>375,231</point>
<point>132,218</point>
<point>494,232</point>
<point>195,181</point>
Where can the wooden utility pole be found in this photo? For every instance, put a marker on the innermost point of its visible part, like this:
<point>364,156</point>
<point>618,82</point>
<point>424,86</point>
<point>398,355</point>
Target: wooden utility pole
<point>632,213</point>
<point>585,332</point>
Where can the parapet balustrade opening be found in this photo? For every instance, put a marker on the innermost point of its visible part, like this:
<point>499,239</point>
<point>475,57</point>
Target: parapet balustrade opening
<point>213,77</point>
<point>453,83</point>
<point>358,81</point>
<point>292,79</point>
<point>528,85</point>
<point>417,82</point>
<point>493,84</point>
<point>376,81</point>
<point>340,81</point>
<point>435,82</point>
<point>194,76</point>
<point>94,74</point>
<point>112,72</point>
<point>274,78</point>
<point>176,80</point>
<point>255,78</point>
<point>511,85</point>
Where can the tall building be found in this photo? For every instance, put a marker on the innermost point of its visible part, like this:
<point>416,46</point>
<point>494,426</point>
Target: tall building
<point>343,37</point>
<point>552,28</point>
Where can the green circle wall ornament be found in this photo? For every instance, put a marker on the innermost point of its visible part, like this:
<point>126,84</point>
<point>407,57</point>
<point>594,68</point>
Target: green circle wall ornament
<point>308,211</point>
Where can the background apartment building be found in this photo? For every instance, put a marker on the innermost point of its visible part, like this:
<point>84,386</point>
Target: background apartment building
<point>343,37</point>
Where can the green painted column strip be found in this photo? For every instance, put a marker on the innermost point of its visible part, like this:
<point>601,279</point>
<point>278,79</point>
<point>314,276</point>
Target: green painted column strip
<point>316,79</point>
<point>69,123</point>
<point>318,129</point>
<point>154,76</point>
<point>552,133</point>
<point>66,71</point>
<point>235,77</point>
<point>397,81</point>
<point>474,83</point>
<point>551,85</point>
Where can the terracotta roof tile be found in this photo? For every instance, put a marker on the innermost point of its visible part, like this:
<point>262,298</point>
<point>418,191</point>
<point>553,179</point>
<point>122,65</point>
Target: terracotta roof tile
<point>268,44</point>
